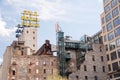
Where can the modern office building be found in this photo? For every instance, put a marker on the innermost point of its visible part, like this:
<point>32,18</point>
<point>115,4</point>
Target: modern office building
<point>110,21</point>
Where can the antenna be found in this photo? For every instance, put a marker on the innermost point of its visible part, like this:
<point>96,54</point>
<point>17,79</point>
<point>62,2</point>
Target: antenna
<point>57,27</point>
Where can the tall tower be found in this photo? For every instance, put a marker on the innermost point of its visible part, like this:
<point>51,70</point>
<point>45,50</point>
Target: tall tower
<point>27,31</point>
<point>29,36</point>
<point>110,21</point>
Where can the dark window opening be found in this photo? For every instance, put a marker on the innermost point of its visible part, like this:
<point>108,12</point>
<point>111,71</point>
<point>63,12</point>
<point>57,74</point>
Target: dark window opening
<point>86,78</point>
<point>103,68</point>
<point>115,66</point>
<point>29,70</point>
<point>96,78</point>
<point>13,72</point>
<point>22,53</point>
<point>94,68</point>
<point>93,58</point>
<point>113,55</point>
<point>109,67</point>
<point>100,49</point>
<point>102,59</point>
<point>44,70</point>
<point>108,57</point>
<point>85,68</point>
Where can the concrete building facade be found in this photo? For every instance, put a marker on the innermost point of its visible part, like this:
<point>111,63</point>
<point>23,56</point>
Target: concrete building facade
<point>110,21</point>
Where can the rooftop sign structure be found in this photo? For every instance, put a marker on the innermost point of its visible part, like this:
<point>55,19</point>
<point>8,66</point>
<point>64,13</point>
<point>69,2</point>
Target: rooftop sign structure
<point>29,19</point>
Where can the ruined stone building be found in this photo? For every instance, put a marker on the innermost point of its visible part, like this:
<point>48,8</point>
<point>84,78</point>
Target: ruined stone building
<point>93,67</point>
<point>23,62</point>
<point>23,65</point>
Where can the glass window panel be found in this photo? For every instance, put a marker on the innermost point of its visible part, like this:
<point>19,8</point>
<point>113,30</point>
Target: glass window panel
<point>117,32</point>
<point>109,26</point>
<point>115,12</point>
<point>118,53</point>
<point>107,8</point>
<point>116,21</point>
<point>108,17</point>
<point>118,42</point>
<point>115,66</point>
<point>114,2</point>
<point>113,55</point>
<point>110,36</point>
<point>112,45</point>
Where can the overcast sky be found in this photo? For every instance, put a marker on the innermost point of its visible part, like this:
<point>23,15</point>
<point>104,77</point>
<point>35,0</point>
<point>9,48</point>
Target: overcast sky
<point>75,17</point>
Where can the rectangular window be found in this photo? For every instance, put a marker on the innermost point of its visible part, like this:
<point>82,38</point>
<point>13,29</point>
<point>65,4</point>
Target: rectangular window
<point>95,78</point>
<point>107,8</point>
<point>103,68</point>
<point>118,53</point>
<point>94,68</point>
<point>44,71</point>
<point>86,78</point>
<point>115,12</point>
<point>117,75</point>
<point>106,47</point>
<point>113,55</point>
<point>116,21</point>
<point>13,72</point>
<point>109,67</point>
<point>108,17</point>
<point>117,32</point>
<point>85,68</point>
<point>109,26</point>
<point>112,45</point>
<point>102,59</point>
<point>115,66</point>
<point>108,57</point>
<point>93,58</point>
<point>114,2</point>
<point>110,36</point>
<point>118,42</point>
